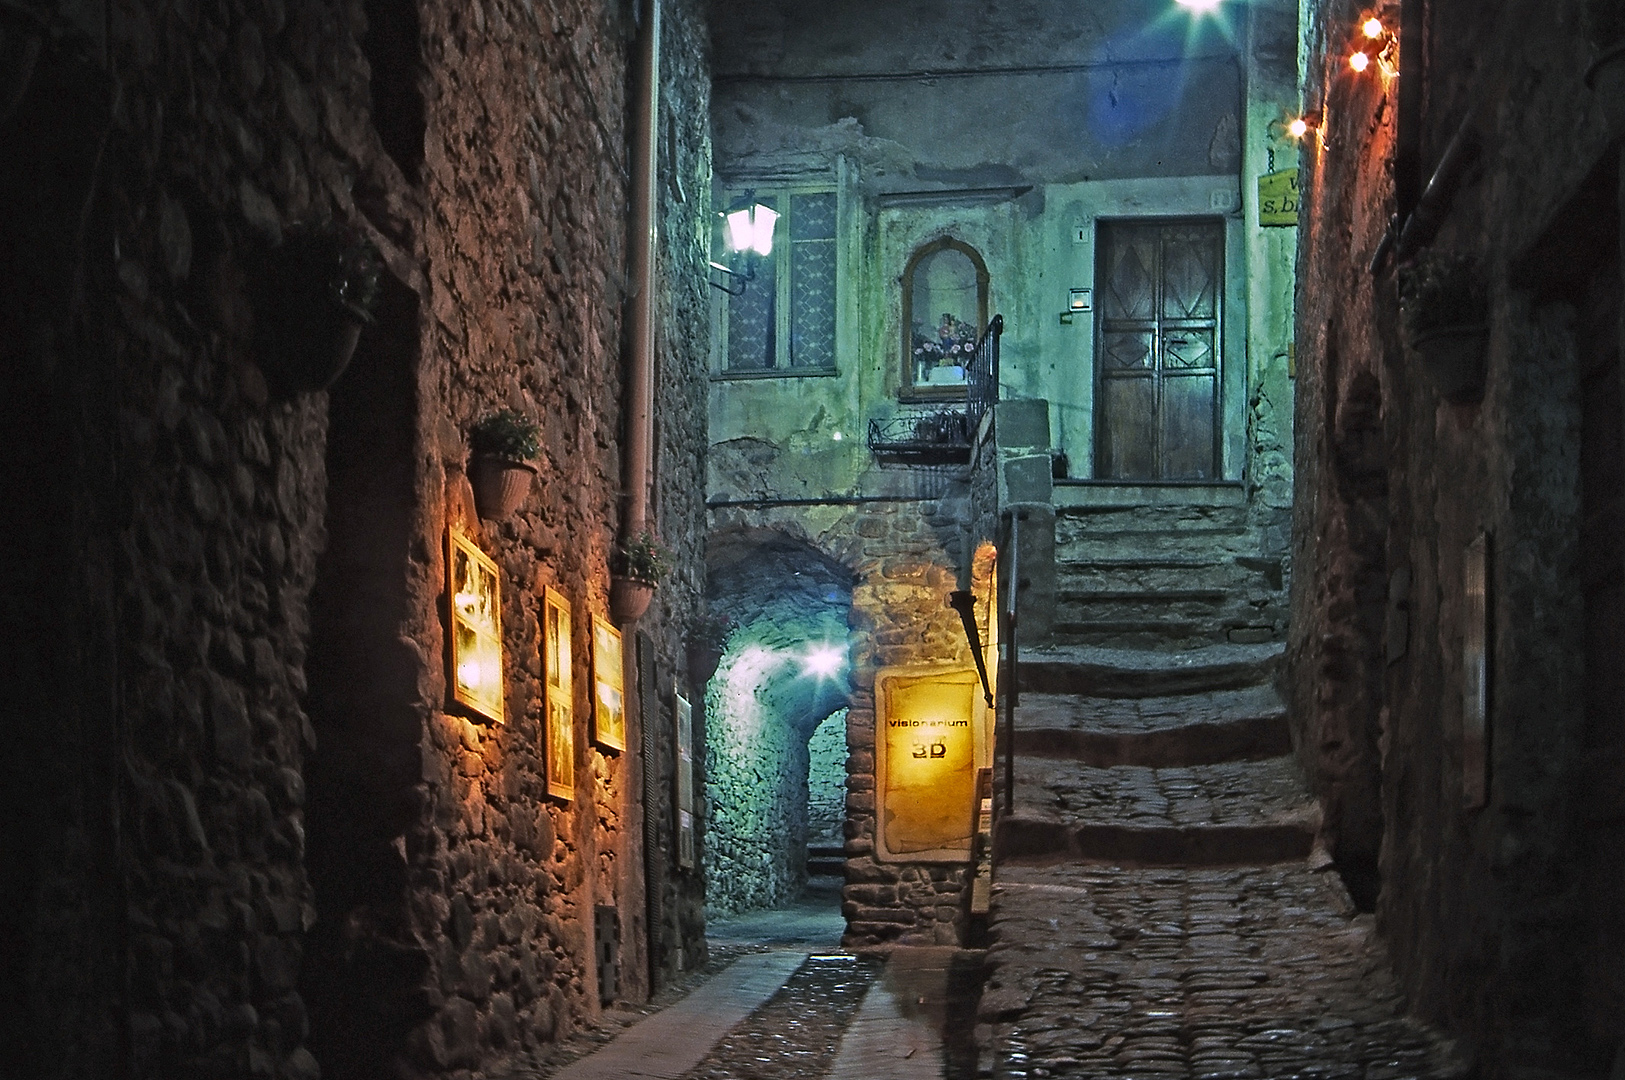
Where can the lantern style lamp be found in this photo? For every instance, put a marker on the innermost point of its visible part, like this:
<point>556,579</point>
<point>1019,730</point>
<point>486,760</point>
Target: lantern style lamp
<point>747,233</point>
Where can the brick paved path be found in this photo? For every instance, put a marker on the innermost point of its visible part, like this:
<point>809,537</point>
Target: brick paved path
<point>1155,914</point>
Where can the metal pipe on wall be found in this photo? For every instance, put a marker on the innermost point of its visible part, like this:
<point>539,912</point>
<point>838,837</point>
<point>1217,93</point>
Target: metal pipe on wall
<point>641,338</point>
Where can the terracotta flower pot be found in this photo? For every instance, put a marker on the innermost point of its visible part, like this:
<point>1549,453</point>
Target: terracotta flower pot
<point>1453,357</point>
<point>311,344</point>
<point>702,663</point>
<point>500,485</point>
<point>629,598</point>
<point>1606,80</point>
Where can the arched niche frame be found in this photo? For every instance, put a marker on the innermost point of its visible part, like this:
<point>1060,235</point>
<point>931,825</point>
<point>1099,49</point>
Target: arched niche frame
<point>944,312</point>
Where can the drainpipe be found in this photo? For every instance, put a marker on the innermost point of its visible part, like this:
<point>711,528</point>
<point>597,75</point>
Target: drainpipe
<point>641,361</point>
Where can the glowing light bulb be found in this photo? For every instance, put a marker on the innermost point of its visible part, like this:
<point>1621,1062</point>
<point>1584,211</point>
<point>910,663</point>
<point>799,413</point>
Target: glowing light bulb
<point>836,435</point>
<point>1373,28</point>
<point>1359,61</point>
<point>1199,5</point>
<point>824,661</point>
<point>1299,127</point>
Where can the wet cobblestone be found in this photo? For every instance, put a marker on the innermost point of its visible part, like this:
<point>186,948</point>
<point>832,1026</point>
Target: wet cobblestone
<point>1227,793</point>
<point>796,1033</point>
<point>1199,974</point>
<point>1137,716</point>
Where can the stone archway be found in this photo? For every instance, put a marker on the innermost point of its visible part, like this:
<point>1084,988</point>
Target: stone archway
<point>783,673</point>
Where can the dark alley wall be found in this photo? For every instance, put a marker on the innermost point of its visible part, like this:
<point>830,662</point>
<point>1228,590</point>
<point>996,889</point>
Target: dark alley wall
<point>225,604</point>
<point>1502,918</point>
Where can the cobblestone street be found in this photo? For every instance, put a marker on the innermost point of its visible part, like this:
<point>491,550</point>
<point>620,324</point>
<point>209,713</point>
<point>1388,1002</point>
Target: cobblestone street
<point>1148,939</point>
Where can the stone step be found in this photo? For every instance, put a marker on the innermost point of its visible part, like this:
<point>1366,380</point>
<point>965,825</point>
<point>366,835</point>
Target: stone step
<point>1146,673</point>
<point>1239,812</point>
<point>825,860</point>
<point>1233,573</point>
<point>1247,724</point>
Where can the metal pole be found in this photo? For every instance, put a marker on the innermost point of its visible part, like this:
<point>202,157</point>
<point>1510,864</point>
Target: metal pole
<point>1012,584</point>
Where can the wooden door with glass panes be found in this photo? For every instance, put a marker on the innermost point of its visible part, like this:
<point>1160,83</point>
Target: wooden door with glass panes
<point>1159,287</point>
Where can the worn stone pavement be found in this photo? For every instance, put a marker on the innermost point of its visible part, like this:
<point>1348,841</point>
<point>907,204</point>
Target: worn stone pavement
<point>1159,911</point>
<point>1159,907</point>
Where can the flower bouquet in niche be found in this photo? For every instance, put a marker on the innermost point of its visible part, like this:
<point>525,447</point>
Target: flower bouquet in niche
<point>504,445</point>
<point>941,354</point>
<point>636,569</point>
<point>1444,318</point>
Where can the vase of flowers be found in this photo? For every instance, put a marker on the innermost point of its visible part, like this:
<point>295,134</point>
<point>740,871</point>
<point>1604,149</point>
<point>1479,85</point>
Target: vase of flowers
<point>942,354</point>
<point>636,570</point>
<point>707,640</point>
<point>500,469</point>
<point>324,283</point>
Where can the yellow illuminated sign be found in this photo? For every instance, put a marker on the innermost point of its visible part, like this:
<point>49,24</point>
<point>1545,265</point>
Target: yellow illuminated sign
<point>930,739</point>
<point>1278,198</point>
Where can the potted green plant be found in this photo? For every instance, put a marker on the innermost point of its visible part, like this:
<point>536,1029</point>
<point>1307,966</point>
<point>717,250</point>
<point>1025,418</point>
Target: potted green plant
<point>325,282</point>
<point>1604,23</point>
<point>500,468</point>
<point>1444,317</point>
<point>707,640</point>
<point>636,570</point>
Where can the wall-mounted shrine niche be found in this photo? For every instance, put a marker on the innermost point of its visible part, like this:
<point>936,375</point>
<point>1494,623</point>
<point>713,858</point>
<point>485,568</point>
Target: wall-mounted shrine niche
<point>932,736</point>
<point>474,587</point>
<point>560,732</point>
<point>944,311</point>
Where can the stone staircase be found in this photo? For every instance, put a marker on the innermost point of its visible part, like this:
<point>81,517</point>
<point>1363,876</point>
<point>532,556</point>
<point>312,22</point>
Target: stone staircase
<point>1165,576</point>
<point>1144,758</point>
<point>1159,905</point>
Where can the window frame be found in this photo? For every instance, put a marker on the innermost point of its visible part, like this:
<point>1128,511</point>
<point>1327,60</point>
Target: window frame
<point>782,193</point>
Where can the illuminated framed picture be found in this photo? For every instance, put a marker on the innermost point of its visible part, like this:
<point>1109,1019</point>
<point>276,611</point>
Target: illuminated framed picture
<point>929,741</point>
<point>608,686</point>
<point>474,590</point>
<point>560,727</point>
<point>685,782</point>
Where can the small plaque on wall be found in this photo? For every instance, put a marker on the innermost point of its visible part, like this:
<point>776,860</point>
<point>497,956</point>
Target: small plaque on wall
<point>1475,758</point>
<point>609,686</point>
<point>1278,199</point>
<point>929,740</point>
<point>560,731</point>
<point>685,782</point>
<point>474,598</point>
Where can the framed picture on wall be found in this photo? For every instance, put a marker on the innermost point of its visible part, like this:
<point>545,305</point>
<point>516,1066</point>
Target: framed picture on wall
<point>608,686</point>
<point>560,733</point>
<point>685,781</point>
<point>474,599</point>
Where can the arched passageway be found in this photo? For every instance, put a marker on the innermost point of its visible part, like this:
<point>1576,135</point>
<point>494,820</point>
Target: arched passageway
<point>783,677</point>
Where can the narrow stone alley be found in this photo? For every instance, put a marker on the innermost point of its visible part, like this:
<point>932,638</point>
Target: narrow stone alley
<point>1160,909</point>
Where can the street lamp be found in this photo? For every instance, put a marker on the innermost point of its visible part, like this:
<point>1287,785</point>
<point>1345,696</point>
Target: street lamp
<point>747,233</point>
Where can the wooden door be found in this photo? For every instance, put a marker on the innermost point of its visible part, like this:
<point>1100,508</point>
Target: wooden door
<point>1157,346</point>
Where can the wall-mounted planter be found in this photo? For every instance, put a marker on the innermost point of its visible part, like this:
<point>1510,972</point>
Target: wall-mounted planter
<point>316,294</point>
<point>702,662</point>
<point>1605,78</point>
<point>1453,358</point>
<point>629,598</point>
<point>500,485</point>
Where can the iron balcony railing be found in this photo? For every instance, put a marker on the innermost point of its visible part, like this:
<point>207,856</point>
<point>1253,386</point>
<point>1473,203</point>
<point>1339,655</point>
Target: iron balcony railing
<point>943,436</point>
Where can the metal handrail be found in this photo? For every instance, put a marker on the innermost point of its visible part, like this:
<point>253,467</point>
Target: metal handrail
<point>1007,637</point>
<point>982,376</point>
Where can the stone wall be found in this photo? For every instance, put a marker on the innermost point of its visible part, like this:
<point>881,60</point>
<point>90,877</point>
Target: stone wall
<point>902,556</point>
<point>826,781</point>
<point>1497,917</point>
<point>194,529</point>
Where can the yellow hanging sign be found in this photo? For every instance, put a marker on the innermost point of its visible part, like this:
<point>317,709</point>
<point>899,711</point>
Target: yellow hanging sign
<point>1278,198</point>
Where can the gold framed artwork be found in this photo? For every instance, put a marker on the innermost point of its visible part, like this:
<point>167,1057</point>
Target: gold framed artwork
<point>685,781</point>
<point>560,726</point>
<point>608,685</point>
<point>474,598</point>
